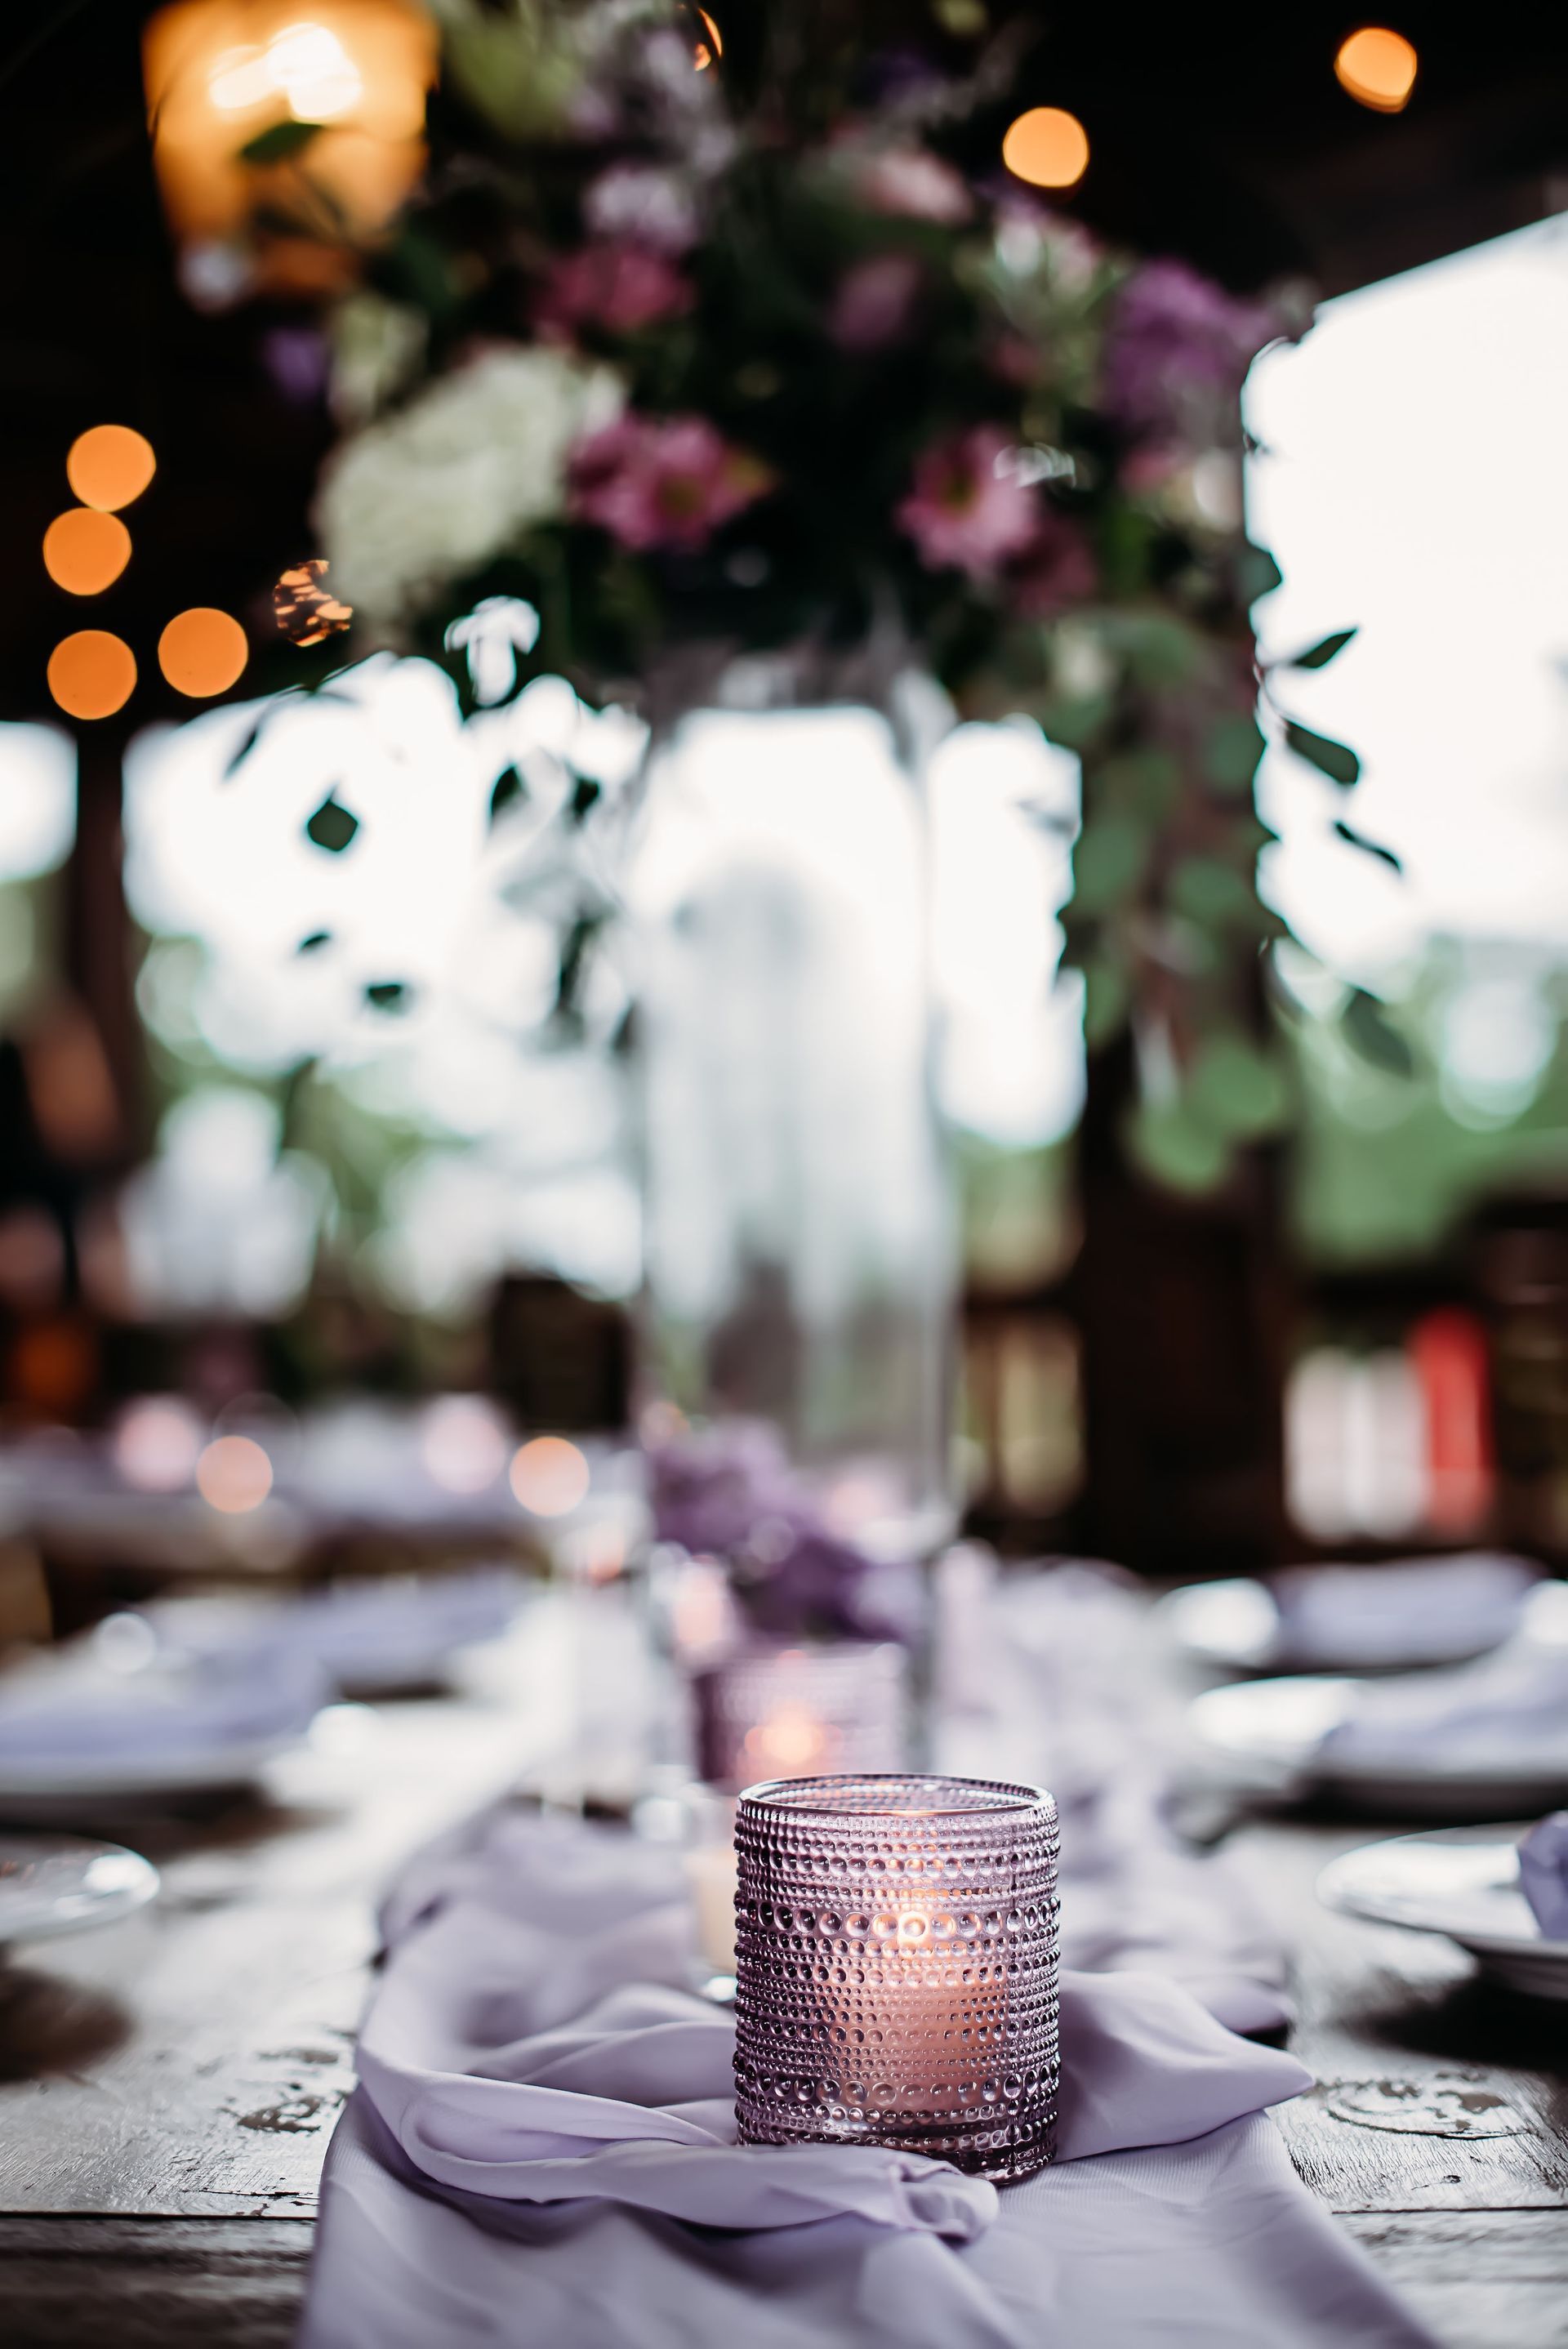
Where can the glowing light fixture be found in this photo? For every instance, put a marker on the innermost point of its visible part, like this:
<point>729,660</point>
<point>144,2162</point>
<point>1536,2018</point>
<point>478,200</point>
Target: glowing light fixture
<point>85,550</point>
<point>713,47</point>
<point>549,1476</point>
<point>286,132</point>
<point>1047,147</point>
<point>92,674</point>
<point>234,1475</point>
<point>1377,68</point>
<point>203,651</point>
<point>109,466</point>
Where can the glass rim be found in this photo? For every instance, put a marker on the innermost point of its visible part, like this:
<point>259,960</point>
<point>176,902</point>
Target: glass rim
<point>785,1795</point>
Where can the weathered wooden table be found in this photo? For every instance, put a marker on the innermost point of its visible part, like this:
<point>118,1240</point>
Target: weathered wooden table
<point>168,2085</point>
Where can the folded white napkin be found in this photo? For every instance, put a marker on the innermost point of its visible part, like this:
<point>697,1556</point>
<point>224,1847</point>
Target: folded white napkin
<point>380,1632</point>
<point>1509,1710</point>
<point>73,1710</point>
<point>1544,1874</point>
<point>1411,1612</point>
<point>541,2151</point>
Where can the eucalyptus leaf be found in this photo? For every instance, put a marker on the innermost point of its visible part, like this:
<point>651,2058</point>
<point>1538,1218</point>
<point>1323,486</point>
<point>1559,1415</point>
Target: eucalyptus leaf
<point>1373,1036</point>
<point>1232,753</point>
<point>1238,1088</point>
<point>509,792</point>
<point>1257,573</point>
<point>1319,655</point>
<point>1373,847</point>
<point>1106,993</point>
<point>1138,783</point>
<point>314,942</point>
<point>332,826</point>
<point>1109,862</point>
<point>389,994</point>
<point>1178,1148</point>
<point>280,142</point>
<point>1339,764</point>
<point>1212,893</point>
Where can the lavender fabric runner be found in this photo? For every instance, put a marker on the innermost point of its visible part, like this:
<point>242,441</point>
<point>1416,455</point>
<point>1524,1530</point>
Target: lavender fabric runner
<point>541,2152</point>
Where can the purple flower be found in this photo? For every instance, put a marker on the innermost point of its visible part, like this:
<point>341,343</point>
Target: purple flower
<point>731,1494</point>
<point>640,201</point>
<point>874,303</point>
<point>1176,354</point>
<point>914,184</point>
<point>964,513</point>
<point>663,481</point>
<point>619,286</point>
<point>296,359</point>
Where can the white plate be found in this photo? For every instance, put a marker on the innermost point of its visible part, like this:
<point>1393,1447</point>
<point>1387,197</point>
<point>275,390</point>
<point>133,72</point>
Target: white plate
<point>1238,1627</point>
<point>112,1777</point>
<point>58,1884</point>
<point>1268,1733</point>
<point>1462,1881</point>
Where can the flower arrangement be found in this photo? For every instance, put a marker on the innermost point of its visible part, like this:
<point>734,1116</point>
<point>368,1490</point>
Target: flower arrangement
<point>700,347</point>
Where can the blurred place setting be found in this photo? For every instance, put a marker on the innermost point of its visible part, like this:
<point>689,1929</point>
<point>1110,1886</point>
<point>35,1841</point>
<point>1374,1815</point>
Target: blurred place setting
<point>783,1175</point>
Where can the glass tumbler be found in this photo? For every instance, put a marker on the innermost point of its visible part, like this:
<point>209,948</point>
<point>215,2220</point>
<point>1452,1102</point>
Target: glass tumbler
<point>781,1711</point>
<point>896,1961</point>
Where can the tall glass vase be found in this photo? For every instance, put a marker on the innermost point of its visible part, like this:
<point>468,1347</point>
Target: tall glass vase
<point>798,1237</point>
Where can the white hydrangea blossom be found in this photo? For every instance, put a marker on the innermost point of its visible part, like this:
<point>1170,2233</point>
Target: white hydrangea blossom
<point>462,473</point>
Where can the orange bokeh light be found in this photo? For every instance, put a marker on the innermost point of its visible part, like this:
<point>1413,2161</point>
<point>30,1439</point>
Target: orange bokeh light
<point>234,1475</point>
<point>1047,147</point>
<point>1377,68</point>
<point>85,550</point>
<point>712,47</point>
<point>109,466</point>
<point>549,1476</point>
<point>92,674</point>
<point>203,651</point>
<point>221,74</point>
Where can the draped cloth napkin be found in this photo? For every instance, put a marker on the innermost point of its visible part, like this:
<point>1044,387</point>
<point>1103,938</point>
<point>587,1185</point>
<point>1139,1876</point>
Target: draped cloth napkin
<point>541,2152</point>
<point>1055,1678</point>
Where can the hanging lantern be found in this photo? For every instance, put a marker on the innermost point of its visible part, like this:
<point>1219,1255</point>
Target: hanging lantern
<point>285,135</point>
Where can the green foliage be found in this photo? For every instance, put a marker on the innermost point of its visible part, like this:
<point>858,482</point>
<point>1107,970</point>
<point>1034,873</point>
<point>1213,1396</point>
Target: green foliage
<point>1373,1035</point>
<point>332,826</point>
<point>1332,759</point>
<point>1318,655</point>
<point>280,142</point>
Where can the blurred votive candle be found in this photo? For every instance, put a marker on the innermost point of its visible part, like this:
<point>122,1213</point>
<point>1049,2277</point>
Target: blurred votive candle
<point>896,1966</point>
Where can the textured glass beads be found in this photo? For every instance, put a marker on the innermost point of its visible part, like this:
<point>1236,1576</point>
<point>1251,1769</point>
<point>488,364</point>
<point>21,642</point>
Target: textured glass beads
<point>896,1955</point>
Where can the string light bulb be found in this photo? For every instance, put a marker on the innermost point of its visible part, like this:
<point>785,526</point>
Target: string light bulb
<point>1047,147</point>
<point>1377,68</point>
<point>92,674</point>
<point>84,551</point>
<point>109,466</point>
<point>201,652</point>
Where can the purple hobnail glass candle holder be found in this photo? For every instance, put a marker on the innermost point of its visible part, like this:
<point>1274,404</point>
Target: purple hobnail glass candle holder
<point>784,1711</point>
<point>896,1968</point>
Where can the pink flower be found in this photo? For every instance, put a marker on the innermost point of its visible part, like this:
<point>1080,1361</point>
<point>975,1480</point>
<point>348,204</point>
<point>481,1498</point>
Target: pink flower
<point>663,481</point>
<point>874,302</point>
<point>620,287</point>
<point>963,512</point>
<point>915,184</point>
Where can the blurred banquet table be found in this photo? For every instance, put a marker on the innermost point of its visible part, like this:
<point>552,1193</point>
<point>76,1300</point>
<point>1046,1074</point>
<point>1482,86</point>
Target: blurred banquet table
<point>168,2085</point>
